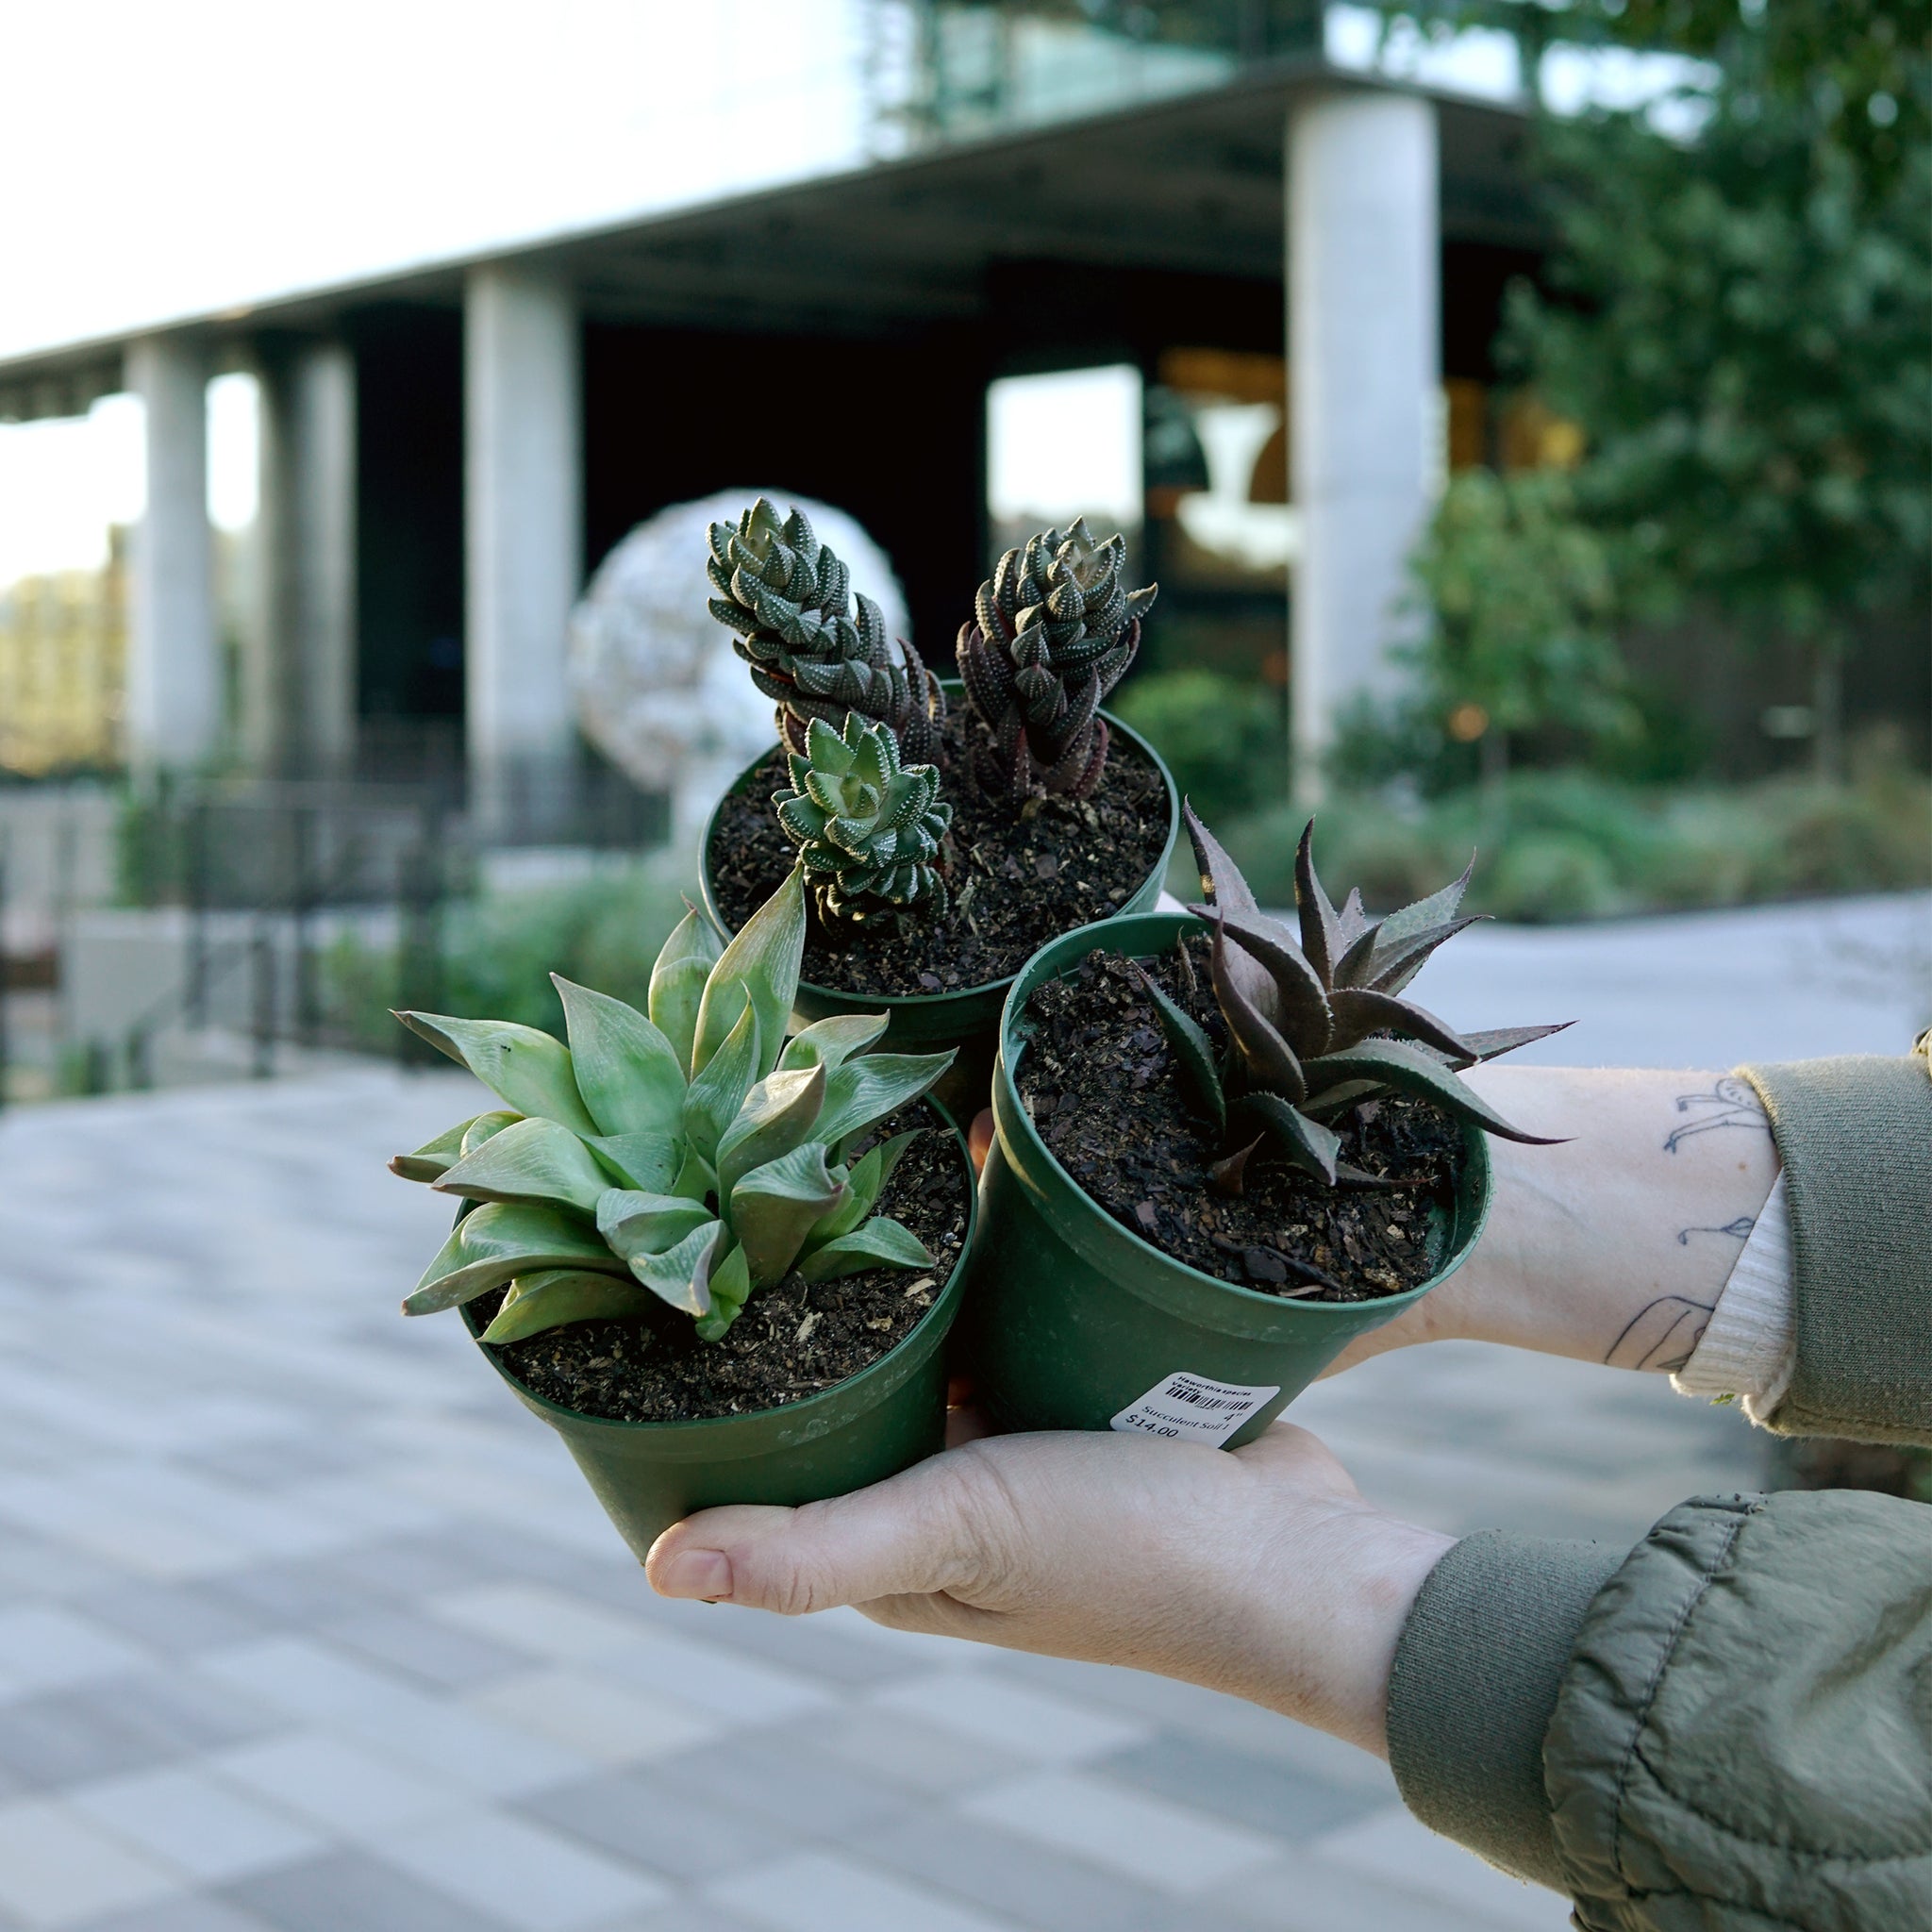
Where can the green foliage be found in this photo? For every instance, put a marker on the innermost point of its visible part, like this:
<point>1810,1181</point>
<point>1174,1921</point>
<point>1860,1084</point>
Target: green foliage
<point>614,1176</point>
<point>1225,741</point>
<point>1316,1023</point>
<point>1567,844</point>
<point>1053,631</point>
<point>787,600</point>
<point>1517,598</point>
<point>868,829</point>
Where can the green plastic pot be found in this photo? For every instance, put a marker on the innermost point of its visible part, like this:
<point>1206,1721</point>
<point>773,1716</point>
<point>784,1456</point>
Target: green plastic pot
<point>1073,1322</point>
<point>967,1018</point>
<point>886,1417</point>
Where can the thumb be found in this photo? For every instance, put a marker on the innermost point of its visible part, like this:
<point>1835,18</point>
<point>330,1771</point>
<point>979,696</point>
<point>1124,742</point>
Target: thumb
<point>903,1536</point>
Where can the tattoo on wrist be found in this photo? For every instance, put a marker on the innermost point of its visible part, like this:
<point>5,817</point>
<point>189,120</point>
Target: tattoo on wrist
<point>1731,1103</point>
<point>1661,1336</point>
<point>1737,1230</point>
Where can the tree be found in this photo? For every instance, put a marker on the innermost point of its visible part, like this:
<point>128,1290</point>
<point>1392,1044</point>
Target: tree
<point>1740,317</point>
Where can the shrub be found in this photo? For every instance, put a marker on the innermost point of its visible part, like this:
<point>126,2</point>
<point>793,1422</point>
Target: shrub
<point>1225,741</point>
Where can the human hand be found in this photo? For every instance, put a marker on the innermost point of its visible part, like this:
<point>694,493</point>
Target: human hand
<point>1261,1572</point>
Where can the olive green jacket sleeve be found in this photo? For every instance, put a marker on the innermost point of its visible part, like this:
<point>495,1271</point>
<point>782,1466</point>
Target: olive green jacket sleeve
<point>1727,1727</point>
<point>1855,1137</point>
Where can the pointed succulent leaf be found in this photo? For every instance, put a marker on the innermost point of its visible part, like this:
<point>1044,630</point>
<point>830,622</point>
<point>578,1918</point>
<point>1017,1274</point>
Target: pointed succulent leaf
<point>757,970</point>
<point>553,1296</point>
<point>777,1116</point>
<point>498,1242</point>
<point>863,1186</point>
<point>650,1162</point>
<point>1320,925</point>
<point>1351,969</point>
<point>1194,1054</point>
<point>681,1274</point>
<point>1495,1042</point>
<point>434,1156</point>
<point>1411,1070</point>
<point>534,1160</point>
<point>868,1089</point>
<point>678,983</point>
<point>1221,878</point>
<point>1352,921</point>
<point>627,1073</point>
<point>696,1176</point>
<point>713,1099</point>
<point>729,1286</point>
<point>1392,968</point>
<point>829,1043</point>
<point>1359,1013</point>
<point>1305,1142</point>
<point>1436,909</point>
<point>486,1126</point>
<point>1300,1003</point>
<point>1270,1061</point>
<point>1228,1176</point>
<point>528,1069</point>
<point>774,1207</point>
<point>882,1243</point>
<point>639,1223</point>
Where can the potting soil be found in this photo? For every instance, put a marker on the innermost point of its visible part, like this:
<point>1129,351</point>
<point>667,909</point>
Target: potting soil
<point>1105,1095</point>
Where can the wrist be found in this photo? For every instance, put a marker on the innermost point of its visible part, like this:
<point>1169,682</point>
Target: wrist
<point>1333,1616</point>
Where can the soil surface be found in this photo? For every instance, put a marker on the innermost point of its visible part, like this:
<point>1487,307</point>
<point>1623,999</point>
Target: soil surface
<point>789,1342</point>
<point>1017,879</point>
<point>1103,1088</point>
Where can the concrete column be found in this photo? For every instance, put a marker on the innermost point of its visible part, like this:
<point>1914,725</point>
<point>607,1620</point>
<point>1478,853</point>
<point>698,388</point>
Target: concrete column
<point>522,512</point>
<point>299,682</point>
<point>174,668</point>
<point>1364,358</point>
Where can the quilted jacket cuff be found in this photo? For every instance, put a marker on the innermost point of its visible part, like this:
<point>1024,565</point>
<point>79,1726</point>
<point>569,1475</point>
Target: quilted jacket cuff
<point>1475,1684</point>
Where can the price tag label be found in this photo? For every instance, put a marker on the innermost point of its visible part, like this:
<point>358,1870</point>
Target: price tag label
<point>1190,1408</point>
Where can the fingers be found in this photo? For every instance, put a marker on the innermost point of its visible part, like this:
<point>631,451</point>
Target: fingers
<point>898,1538</point>
<point>980,1138</point>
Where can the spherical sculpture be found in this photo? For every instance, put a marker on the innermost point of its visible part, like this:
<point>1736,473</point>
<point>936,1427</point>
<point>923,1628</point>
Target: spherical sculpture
<point>659,689</point>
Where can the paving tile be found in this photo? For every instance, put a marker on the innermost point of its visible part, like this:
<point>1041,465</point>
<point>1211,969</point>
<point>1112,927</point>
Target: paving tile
<point>192,1819</point>
<point>197,1913</point>
<point>425,1649</point>
<point>335,1785</point>
<point>812,1645</point>
<point>1031,1724</point>
<point>1306,1894</point>
<point>900,1750</point>
<point>998,1872</point>
<point>1395,1848</point>
<point>45,1647</point>
<point>57,1868</point>
<point>123,1724</point>
<point>411,1567</point>
<point>301,1594</point>
<point>348,1890</point>
<point>317,1685</point>
<point>584,1712</point>
<point>715,1680</point>
<point>800,1789</point>
<point>1149,1839</point>
<point>657,1823</point>
<point>818,1891</point>
<point>688,1915</point>
<point>175,1618</point>
<point>525,1872</point>
<point>541,1621</point>
<point>1240,1785</point>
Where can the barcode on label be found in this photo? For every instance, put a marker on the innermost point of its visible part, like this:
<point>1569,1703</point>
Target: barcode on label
<point>1185,1408</point>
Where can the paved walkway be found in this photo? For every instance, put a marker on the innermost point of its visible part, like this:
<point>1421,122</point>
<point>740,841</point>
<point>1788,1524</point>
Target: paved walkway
<point>304,1625</point>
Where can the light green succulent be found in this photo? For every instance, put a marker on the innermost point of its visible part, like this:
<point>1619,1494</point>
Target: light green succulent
<point>867,828</point>
<point>696,1155</point>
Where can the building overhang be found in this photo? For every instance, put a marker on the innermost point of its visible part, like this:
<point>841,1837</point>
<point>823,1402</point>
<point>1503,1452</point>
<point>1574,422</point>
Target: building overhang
<point>1192,184</point>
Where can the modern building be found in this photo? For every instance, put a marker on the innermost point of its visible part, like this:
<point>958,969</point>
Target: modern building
<point>448,451</point>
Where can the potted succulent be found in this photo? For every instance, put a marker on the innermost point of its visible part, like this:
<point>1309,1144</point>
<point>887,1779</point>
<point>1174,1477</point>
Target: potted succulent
<point>1222,1150</point>
<point>1008,807</point>
<point>719,1261</point>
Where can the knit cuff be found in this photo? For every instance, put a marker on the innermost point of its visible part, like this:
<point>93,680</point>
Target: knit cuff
<point>1748,1346</point>
<point>1474,1686</point>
